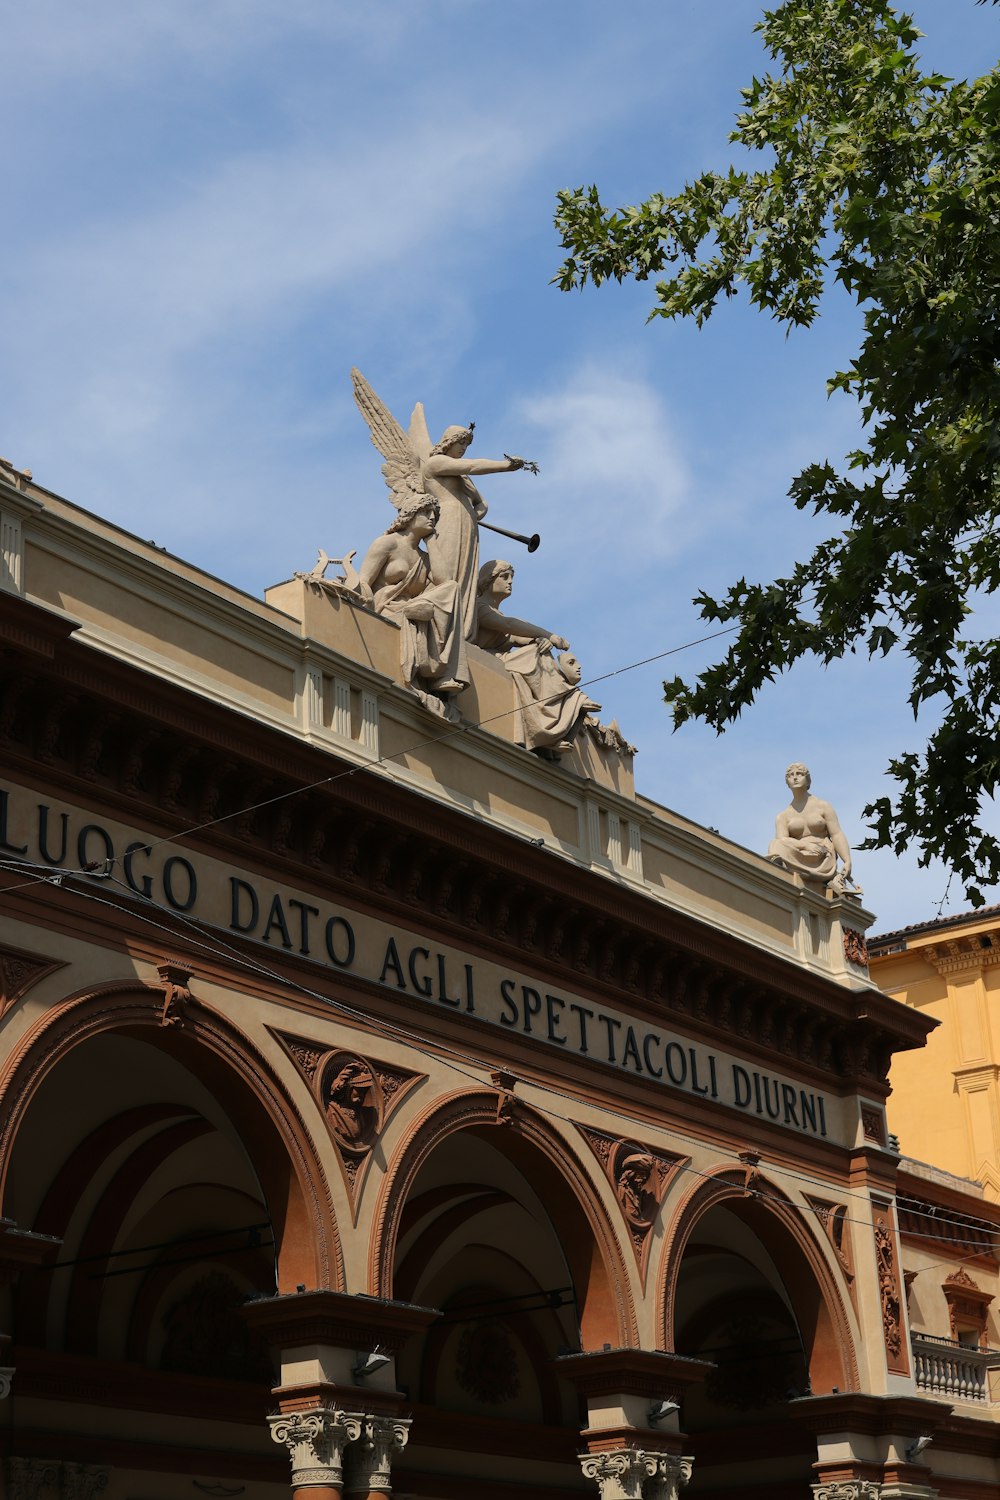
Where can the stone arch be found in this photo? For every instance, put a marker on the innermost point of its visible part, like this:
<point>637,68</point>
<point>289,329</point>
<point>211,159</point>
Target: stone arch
<point>275,1136</point>
<point>597,1263</point>
<point>797,1253</point>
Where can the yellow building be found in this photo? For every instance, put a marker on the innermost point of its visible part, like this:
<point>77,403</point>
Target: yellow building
<point>945,1102</point>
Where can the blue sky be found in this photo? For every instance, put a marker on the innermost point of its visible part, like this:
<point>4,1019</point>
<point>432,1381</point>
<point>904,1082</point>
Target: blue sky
<point>213,208</point>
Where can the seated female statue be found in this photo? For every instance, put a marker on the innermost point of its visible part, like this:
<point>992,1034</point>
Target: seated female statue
<point>396,580</point>
<point>808,836</point>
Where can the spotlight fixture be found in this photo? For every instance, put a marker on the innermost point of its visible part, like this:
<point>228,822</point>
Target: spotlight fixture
<point>660,1411</point>
<point>367,1364</point>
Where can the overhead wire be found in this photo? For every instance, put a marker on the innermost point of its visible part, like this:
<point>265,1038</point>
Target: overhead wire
<point>56,876</point>
<point>454,732</point>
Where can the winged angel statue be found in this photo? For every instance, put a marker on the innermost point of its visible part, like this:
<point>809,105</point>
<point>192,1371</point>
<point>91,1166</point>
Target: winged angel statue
<point>415,470</point>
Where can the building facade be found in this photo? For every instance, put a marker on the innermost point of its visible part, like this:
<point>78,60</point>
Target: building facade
<point>386,1108</point>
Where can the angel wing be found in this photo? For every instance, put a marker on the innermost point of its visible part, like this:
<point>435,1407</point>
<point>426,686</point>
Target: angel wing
<point>420,438</point>
<point>401,469</point>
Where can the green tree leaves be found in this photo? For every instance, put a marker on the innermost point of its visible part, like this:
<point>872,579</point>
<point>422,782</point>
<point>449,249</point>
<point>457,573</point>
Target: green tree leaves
<point>887,181</point>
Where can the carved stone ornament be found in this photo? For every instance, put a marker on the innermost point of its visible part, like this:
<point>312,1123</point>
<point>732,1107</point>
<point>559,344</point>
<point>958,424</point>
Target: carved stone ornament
<point>832,1217</point>
<point>19,972</point>
<point>316,1441</point>
<point>889,1293</point>
<point>640,1176</point>
<point>618,1474</point>
<point>872,1125</point>
<point>356,1096</point>
<point>968,1304</point>
<point>847,1489</point>
<point>370,1460</point>
<point>30,1476</point>
<point>486,1363</point>
<point>855,947</point>
<point>667,1473</point>
<point>83,1481</point>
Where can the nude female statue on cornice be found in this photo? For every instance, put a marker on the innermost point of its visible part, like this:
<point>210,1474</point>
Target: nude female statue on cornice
<point>808,836</point>
<point>397,579</point>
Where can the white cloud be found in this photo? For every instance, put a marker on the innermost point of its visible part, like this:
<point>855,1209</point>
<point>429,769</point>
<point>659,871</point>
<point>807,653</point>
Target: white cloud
<point>611,463</point>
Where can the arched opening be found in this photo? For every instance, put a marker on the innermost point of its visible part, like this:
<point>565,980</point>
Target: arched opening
<point>180,1182</point>
<point>748,1290</point>
<point>498,1226</point>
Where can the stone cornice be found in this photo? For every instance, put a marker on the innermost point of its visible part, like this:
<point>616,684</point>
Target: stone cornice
<point>964,954</point>
<point>634,1372</point>
<point>338,1318</point>
<point>106,733</point>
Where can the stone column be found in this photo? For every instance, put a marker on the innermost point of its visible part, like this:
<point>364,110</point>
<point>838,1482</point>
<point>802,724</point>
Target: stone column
<point>370,1460</point>
<point>316,1441</point>
<point>666,1473</point>
<point>618,1473</point>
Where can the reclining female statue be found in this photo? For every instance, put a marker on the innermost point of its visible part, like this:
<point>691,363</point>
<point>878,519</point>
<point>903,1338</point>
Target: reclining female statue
<point>552,705</point>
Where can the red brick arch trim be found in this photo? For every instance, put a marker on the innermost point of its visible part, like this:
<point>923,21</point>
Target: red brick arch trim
<point>299,1200</point>
<point>595,1257</point>
<point>794,1245</point>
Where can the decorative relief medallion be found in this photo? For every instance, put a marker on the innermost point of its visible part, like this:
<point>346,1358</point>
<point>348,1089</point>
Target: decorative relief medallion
<point>872,1124</point>
<point>356,1096</point>
<point>18,972</point>
<point>640,1176</point>
<point>352,1101</point>
<point>486,1363</point>
<point>855,947</point>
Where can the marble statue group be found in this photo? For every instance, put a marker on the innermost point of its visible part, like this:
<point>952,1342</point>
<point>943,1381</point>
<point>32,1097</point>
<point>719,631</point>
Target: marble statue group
<point>424,573</point>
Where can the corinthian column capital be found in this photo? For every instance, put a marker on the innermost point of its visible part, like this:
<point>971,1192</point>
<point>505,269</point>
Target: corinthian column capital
<point>371,1460</point>
<point>847,1489</point>
<point>618,1474</point>
<point>315,1441</point>
<point>666,1473</point>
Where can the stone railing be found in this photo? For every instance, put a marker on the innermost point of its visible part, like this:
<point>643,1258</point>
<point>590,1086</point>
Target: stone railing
<point>946,1368</point>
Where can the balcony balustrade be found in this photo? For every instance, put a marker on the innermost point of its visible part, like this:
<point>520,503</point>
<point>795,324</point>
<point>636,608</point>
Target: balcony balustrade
<point>947,1368</point>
